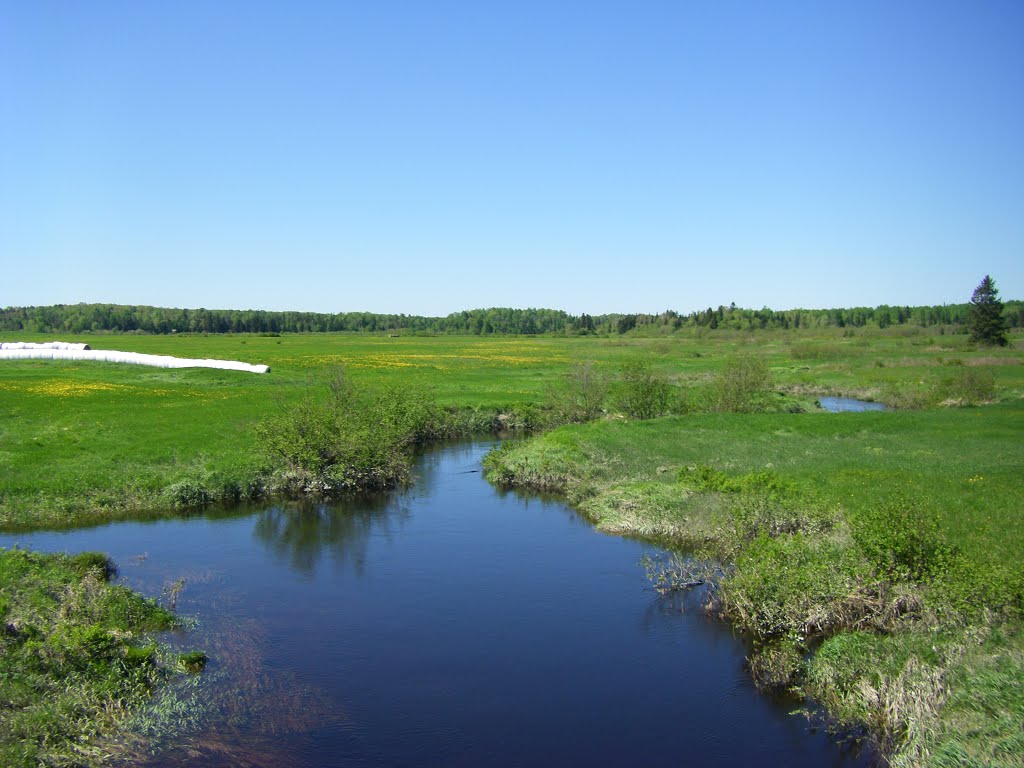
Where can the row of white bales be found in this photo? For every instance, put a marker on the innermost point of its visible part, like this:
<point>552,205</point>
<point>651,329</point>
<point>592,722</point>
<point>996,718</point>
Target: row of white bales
<point>62,350</point>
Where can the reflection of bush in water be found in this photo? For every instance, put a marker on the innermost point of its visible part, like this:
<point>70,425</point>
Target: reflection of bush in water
<point>301,533</point>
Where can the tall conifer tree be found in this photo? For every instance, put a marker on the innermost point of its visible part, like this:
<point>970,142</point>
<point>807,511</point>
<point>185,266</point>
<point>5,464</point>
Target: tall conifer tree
<point>985,321</point>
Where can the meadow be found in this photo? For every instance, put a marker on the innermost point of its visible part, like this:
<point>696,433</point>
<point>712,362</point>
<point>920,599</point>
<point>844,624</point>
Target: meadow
<point>84,442</point>
<point>873,558</point>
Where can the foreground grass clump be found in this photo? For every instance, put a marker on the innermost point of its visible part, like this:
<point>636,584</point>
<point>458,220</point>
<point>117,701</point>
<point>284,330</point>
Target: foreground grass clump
<point>73,659</point>
<point>873,558</point>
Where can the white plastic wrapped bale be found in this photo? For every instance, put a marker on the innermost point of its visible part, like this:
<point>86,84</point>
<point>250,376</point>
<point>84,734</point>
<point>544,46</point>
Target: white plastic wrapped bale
<point>43,345</point>
<point>17,351</point>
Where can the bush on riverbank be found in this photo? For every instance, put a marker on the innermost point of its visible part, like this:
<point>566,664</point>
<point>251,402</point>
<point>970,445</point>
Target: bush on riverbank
<point>339,436</point>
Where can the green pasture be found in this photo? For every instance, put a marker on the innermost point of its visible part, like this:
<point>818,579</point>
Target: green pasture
<point>86,441</point>
<point>967,464</point>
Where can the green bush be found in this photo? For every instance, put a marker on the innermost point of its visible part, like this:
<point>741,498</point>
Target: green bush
<point>908,396</point>
<point>140,656</point>
<point>902,540</point>
<point>704,478</point>
<point>807,350</point>
<point>971,386</point>
<point>544,466</point>
<point>193,661</point>
<point>642,393</point>
<point>187,494</point>
<point>72,664</point>
<point>580,394</point>
<point>775,666</point>
<point>795,588</point>
<point>93,562</point>
<point>744,385</point>
<point>348,437</point>
<point>968,385</point>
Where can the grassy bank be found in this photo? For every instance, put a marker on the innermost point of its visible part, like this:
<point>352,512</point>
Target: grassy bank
<point>87,442</point>
<point>874,558</point>
<point>74,659</point>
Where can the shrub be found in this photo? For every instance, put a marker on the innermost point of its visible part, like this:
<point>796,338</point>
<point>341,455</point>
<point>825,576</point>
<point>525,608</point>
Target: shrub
<point>971,386</point>
<point>742,385</point>
<point>580,394</point>
<point>544,466</point>
<point>907,396</point>
<point>795,587</point>
<point>187,494</point>
<point>140,656</point>
<point>193,661</point>
<point>348,437</point>
<point>806,350</point>
<point>93,562</point>
<point>775,666</point>
<point>643,393</point>
<point>902,540</point>
<point>705,478</point>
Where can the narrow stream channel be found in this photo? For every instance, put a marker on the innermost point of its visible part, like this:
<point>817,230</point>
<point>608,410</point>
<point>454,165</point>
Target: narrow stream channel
<point>448,624</point>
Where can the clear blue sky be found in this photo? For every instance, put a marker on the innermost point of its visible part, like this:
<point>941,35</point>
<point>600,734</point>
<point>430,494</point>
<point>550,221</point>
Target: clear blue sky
<point>428,157</point>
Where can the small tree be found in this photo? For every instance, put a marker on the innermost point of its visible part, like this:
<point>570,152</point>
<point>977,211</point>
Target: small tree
<point>985,320</point>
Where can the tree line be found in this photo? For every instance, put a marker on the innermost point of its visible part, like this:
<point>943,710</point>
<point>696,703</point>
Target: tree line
<point>80,318</point>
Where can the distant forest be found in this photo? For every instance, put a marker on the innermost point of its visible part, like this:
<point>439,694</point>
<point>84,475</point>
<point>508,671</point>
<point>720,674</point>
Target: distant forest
<point>80,318</point>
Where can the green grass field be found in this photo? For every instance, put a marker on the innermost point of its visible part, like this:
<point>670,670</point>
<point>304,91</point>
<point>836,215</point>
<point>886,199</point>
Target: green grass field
<point>86,441</point>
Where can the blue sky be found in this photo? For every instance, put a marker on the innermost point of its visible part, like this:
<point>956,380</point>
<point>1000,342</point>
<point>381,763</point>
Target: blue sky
<point>431,157</point>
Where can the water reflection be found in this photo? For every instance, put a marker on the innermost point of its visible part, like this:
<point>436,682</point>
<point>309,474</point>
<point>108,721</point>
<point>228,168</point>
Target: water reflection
<point>301,534</point>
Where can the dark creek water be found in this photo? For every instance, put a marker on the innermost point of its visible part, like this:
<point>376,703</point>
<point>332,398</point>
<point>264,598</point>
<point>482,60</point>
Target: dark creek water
<point>449,624</point>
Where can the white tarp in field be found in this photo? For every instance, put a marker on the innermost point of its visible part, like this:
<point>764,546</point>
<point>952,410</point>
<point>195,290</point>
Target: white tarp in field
<point>56,350</point>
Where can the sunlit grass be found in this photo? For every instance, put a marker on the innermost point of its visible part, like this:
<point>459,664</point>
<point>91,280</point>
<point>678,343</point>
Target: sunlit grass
<point>84,440</point>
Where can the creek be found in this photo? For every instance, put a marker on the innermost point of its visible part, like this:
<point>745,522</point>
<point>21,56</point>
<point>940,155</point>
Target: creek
<point>848,404</point>
<point>445,624</point>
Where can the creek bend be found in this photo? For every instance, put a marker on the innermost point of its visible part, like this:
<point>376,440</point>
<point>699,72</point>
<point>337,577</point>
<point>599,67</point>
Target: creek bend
<point>446,624</point>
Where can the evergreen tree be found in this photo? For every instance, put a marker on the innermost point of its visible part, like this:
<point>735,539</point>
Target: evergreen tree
<point>985,320</point>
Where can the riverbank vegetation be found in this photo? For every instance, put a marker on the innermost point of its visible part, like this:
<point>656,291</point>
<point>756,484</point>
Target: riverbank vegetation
<point>75,657</point>
<point>873,558</point>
